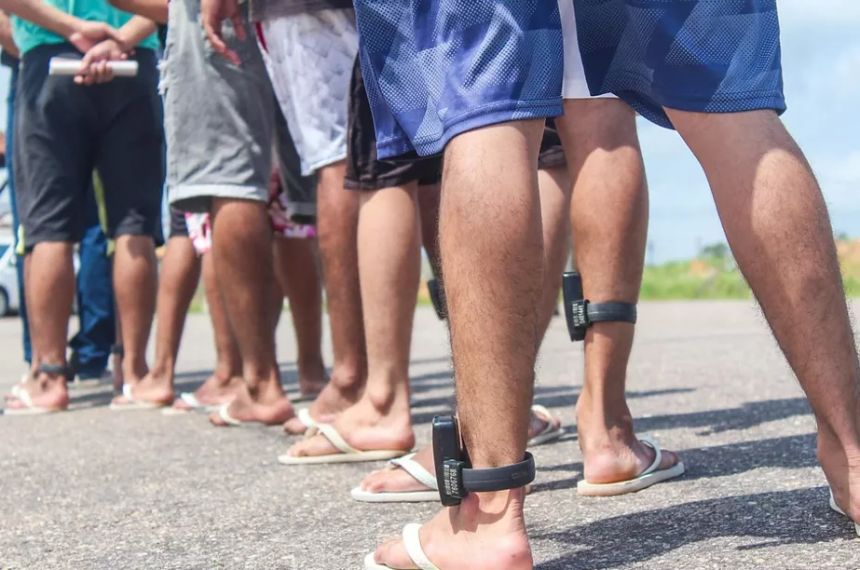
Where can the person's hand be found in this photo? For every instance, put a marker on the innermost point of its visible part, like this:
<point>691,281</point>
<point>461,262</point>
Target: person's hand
<point>214,12</point>
<point>94,66</point>
<point>88,34</point>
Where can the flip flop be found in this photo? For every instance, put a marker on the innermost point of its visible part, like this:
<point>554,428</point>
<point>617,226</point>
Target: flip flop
<point>30,409</point>
<point>836,508</point>
<point>346,454</point>
<point>412,542</point>
<point>230,421</point>
<point>551,432</point>
<point>193,403</point>
<point>304,416</point>
<point>13,391</point>
<point>417,471</point>
<point>133,403</point>
<point>650,476</point>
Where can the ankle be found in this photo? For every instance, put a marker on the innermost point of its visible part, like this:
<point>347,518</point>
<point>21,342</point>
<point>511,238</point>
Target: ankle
<point>845,441</point>
<point>390,400</point>
<point>265,390</point>
<point>503,510</point>
<point>162,373</point>
<point>348,379</point>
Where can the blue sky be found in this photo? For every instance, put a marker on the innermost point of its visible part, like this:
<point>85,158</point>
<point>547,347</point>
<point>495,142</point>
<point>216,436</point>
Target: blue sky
<point>821,58</point>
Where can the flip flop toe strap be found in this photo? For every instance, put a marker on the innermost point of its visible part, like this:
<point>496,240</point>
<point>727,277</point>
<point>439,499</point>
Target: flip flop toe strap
<point>304,416</point>
<point>225,416</point>
<point>658,454</point>
<point>331,434</point>
<point>416,470</point>
<point>190,399</point>
<point>412,542</point>
<point>23,395</point>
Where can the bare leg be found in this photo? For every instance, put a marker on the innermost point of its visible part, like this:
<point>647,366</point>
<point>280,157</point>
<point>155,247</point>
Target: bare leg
<point>296,267</point>
<point>134,275</point>
<point>779,230</point>
<point>389,263</point>
<point>609,217</point>
<point>118,380</point>
<point>554,187</point>
<point>490,201</point>
<point>428,203</point>
<point>337,227</point>
<point>180,273</point>
<point>242,242</point>
<point>50,289</point>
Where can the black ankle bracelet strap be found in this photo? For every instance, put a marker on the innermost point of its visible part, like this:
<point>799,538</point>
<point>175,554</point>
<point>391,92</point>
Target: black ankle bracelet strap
<point>454,474</point>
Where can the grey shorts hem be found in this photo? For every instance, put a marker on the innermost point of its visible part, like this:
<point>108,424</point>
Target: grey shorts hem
<point>198,197</point>
<point>323,162</point>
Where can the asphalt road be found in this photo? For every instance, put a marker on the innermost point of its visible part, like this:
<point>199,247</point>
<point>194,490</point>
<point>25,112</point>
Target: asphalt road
<point>95,489</point>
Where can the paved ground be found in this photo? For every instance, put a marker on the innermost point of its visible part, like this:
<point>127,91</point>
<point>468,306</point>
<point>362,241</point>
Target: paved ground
<point>96,489</point>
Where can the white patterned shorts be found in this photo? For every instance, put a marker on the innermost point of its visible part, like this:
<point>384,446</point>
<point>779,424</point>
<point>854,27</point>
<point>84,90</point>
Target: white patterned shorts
<point>310,59</point>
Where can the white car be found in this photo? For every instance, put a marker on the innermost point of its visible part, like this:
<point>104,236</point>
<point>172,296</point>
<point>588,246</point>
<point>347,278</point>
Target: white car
<point>10,301</point>
<point>9,298</point>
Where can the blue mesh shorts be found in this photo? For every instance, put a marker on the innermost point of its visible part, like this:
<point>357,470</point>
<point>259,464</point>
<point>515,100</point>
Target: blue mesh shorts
<point>437,68</point>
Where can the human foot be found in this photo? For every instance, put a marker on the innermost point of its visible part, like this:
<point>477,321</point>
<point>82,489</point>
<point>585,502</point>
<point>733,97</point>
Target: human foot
<point>362,427</point>
<point>332,400</point>
<point>485,532</point>
<point>212,394</point>
<point>615,455</point>
<point>274,409</point>
<point>45,391</point>
<point>393,479</point>
<point>842,468</point>
<point>151,389</point>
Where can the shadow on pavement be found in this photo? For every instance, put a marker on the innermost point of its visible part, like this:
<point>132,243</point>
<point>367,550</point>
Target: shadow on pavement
<point>775,519</point>
<point>789,452</point>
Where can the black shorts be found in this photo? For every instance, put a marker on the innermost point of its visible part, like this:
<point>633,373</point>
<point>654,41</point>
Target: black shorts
<point>178,225</point>
<point>365,172</point>
<point>301,190</point>
<point>66,132</point>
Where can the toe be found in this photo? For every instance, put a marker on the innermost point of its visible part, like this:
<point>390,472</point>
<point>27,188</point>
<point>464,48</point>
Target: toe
<point>371,482</point>
<point>315,446</point>
<point>669,460</point>
<point>393,554</point>
<point>294,426</point>
<point>216,420</point>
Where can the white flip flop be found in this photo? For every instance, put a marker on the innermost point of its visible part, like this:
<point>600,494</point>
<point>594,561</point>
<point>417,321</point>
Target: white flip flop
<point>417,471</point>
<point>133,404</point>
<point>412,542</point>
<point>647,478</point>
<point>347,453</point>
<point>304,416</point>
<point>551,432</point>
<point>31,409</point>
<point>224,414</point>
<point>193,403</point>
<point>836,508</point>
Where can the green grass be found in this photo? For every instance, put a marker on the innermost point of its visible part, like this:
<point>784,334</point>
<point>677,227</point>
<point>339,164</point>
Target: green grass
<point>676,280</point>
<point>705,278</point>
<point>711,279</point>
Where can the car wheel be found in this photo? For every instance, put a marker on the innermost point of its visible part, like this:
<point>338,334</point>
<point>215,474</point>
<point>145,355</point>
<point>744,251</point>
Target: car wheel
<point>4,303</point>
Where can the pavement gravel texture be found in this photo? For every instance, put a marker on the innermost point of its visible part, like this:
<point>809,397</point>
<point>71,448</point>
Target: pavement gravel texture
<point>95,489</point>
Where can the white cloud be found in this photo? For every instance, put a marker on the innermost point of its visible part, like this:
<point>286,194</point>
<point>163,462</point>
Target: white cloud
<point>810,15</point>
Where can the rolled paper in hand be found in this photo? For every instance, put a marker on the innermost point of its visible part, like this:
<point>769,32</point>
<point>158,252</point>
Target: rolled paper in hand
<point>64,66</point>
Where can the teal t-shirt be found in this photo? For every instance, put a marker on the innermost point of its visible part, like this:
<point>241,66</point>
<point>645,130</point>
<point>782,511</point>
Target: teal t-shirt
<point>28,35</point>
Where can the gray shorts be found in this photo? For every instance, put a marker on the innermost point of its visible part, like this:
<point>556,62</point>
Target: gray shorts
<point>218,116</point>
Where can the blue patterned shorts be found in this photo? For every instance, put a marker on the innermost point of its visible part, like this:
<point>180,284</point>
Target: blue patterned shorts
<point>437,68</point>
